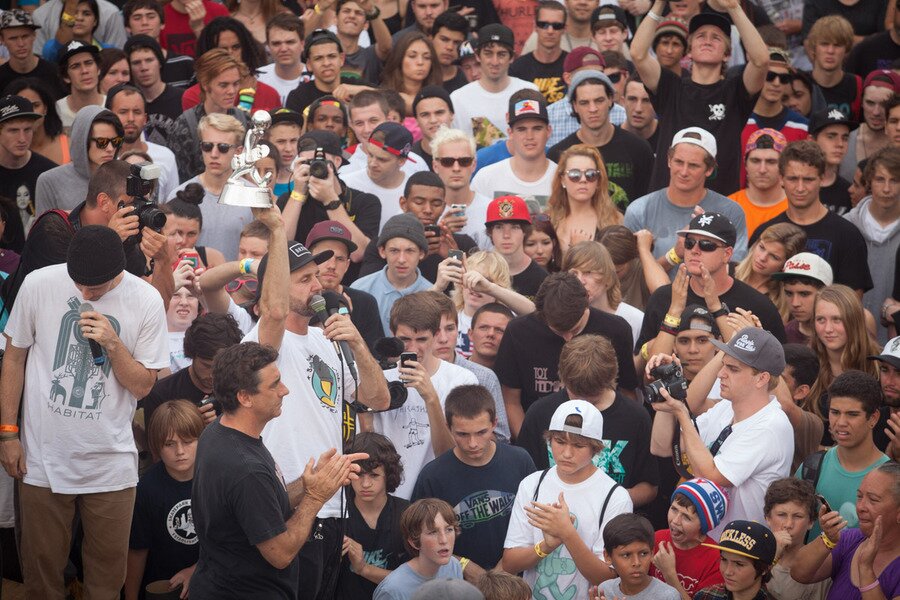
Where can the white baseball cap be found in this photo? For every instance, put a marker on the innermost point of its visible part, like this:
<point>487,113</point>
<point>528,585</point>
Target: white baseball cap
<point>697,136</point>
<point>806,264</point>
<point>890,354</point>
<point>591,419</point>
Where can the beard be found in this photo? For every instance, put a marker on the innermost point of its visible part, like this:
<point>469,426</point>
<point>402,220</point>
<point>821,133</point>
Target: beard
<point>301,308</point>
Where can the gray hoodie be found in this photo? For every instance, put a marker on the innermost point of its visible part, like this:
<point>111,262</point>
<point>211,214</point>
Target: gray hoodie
<point>881,256</point>
<point>66,186</point>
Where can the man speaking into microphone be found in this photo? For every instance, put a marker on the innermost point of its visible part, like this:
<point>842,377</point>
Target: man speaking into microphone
<point>75,447</point>
<point>320,383</point>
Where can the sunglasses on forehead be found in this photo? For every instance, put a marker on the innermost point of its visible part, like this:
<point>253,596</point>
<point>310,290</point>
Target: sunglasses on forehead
<point>705,245</point>
<point>447,161</point>
<point>103,142</point>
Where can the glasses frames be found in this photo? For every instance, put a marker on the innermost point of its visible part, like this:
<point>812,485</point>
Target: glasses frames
<point>223,148</point>
<point>103,142</point>
<point>447,161</point>
<point>575,175</point>
<point>705,245</point>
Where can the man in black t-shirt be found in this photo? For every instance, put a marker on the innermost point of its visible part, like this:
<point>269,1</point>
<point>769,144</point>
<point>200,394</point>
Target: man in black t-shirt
<point>324,56</point>
<point>478,477</point>
<point>528,359</point>
<point>708,248</point>
<point>206,336</point>
<point>508,224</point>
<point>19,166</point>
<point>627,157</point>
<point>432,109</point>
<point>587,369</point>
<point>878,51</point>
<point>837,240</point>
<point>448,33</point>
<point>544,66</point>
<point>250,522</point>
<point>17,34</point>
<point>827,44</point>
<point>720,106</point>
<point>830,129</point>
<point>145,57</point>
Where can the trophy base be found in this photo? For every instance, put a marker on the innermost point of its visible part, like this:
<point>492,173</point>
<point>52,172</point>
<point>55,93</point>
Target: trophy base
<point>235,194</point>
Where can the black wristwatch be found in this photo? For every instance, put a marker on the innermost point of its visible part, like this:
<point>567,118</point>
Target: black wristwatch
<point>374,14</point>
<point>722,312</point>
<point>333,205</point>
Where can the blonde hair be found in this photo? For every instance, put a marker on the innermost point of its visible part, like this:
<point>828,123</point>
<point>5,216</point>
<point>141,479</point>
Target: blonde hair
<point>793,240</point>
<point>832,28</point>
<point>446,135</point>
<point>223,123</point>
<point>558,205</point>
<point>854,354</point>
<point>593,256</point>
<point>490,264</point>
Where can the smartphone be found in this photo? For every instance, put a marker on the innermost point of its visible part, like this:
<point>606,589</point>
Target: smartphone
<point>406,357</point>
<point>435,229</point>
<point>824,502</point>
<point>458,209</point>
<point>457,255</point>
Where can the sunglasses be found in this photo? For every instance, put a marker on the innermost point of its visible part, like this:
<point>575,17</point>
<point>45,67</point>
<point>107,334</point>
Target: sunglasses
<point>615,77</point>
<point>783,78</point>
<point>235,284</point>
<point>223,148</point>
<point>591,175</point>
<point>447,161</point>
<point>550,25</point>
<point>705,245</point>
<point>103,142</point>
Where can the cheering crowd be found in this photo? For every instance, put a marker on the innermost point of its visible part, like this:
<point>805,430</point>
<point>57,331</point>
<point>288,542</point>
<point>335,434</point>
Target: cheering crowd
<point>553,300</point>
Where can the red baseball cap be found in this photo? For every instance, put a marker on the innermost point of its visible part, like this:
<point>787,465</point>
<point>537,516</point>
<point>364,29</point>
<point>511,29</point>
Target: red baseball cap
<point>507,209</point>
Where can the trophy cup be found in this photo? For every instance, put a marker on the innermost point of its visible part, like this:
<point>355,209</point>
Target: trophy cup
<point>238,191</point>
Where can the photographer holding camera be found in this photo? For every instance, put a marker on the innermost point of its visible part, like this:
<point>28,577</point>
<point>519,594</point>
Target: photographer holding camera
<point>320,195</point>
<point>744,442</point>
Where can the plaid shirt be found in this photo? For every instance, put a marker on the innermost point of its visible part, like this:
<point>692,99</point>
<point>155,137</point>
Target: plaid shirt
<point>564,124</point>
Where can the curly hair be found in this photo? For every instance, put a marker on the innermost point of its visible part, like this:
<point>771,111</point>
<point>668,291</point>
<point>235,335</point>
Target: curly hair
<point>236,369</point>
<point>382,453</point>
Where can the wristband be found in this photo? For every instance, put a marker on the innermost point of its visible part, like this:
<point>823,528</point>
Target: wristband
<point>317,10</point>
<point>9,429</point>
<point>243,267</point>
<point>8,436</point>
<point>827,541</point>
<point>673,257</point>
<point>539,552</point>
<point>672,321</point>
<point>870,587</point>
<point>463,563</point>
<point>295,195</point>
<point>722,312</point>
<point>67,19</point>
<point>654,16</point>
<point>246,97</point>
<point>645,351</point>
<point>668,329</point>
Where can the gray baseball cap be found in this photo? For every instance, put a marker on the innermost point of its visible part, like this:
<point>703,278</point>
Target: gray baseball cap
<point>755,348</point>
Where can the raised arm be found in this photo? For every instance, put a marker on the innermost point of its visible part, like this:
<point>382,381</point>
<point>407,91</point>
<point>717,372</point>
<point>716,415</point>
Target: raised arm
<point>646,64</point>
<point>274,301</point>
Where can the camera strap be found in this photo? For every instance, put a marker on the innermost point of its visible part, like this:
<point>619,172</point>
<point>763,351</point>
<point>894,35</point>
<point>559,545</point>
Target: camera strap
<point>679,457</point>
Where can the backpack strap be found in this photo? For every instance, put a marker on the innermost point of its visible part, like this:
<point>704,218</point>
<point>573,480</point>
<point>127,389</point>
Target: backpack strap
<point>538,488</point>
<point>811,468</point>
<point>606,503</point>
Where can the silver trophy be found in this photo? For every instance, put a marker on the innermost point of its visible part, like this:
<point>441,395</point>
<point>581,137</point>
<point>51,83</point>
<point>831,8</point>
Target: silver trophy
<point>237,191</point>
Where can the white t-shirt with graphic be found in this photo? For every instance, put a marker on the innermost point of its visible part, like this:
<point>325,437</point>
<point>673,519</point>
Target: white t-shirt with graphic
<point>408,426</point>
<point>310,420</point>
<point>389,197</point>
<point>498,180</point>
<point>177,359</point>
<point>556,576</point>
<point>77,416</point>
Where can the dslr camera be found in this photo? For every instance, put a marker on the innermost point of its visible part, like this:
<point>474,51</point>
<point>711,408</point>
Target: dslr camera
<point>669,377</point>
<point>139,185</point>
<point>318,166</point>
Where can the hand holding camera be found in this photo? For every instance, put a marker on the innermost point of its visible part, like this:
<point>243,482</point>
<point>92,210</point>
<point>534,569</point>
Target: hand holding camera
<point>669,387</point>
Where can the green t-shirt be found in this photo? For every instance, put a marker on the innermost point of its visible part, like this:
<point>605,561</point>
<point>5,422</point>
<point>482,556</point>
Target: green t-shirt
<point>839,487</point>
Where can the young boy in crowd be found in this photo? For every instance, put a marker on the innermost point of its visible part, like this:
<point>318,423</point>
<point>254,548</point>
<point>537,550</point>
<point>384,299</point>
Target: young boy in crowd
<point>555,531</point>
<point>748,552</point>
<point>628,548</point>
<point>163,544</point>
<point>682,560</point>
<point>802,276</point>
<point>429,528</point>
<point>791,509</point>
<point>373,546</point>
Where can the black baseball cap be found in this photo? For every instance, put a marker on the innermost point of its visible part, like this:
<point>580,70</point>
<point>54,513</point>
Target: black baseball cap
<point>608,13</point>
<point>397,139</point>
<point>16,107</point>
<point>714,225</point>
<point>495,33</point>
<point>527,108</point>
<point>821,119</point>
<point>748,538</point>
<point>321,138</point>
<point>694,313</point>
<point>710,18</point>
<point>432,91</point>
<point>74,48</point>
<point>285,115</point>
<point>298,257</point>
<point>319,36</point>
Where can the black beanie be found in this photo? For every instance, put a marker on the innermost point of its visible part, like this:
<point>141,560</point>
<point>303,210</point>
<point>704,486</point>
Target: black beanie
<point>95,255</point>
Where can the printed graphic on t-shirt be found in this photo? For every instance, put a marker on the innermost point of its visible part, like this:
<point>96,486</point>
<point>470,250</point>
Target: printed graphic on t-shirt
<point>483,506</point>
<point>180,523</point>
<point>414,436</point>
<point>716,112</point>
<point>377,558</point>
<point>73,368</point>
<point>323,380</point>
<point>609,460</point>
<point>485,132</point>
<point>548,572</point>
<point>553,88</point>
<point>819,247</point>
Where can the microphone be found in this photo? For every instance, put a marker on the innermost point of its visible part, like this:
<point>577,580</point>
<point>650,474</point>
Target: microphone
<point>325,309</point>
<point>96,350</point>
